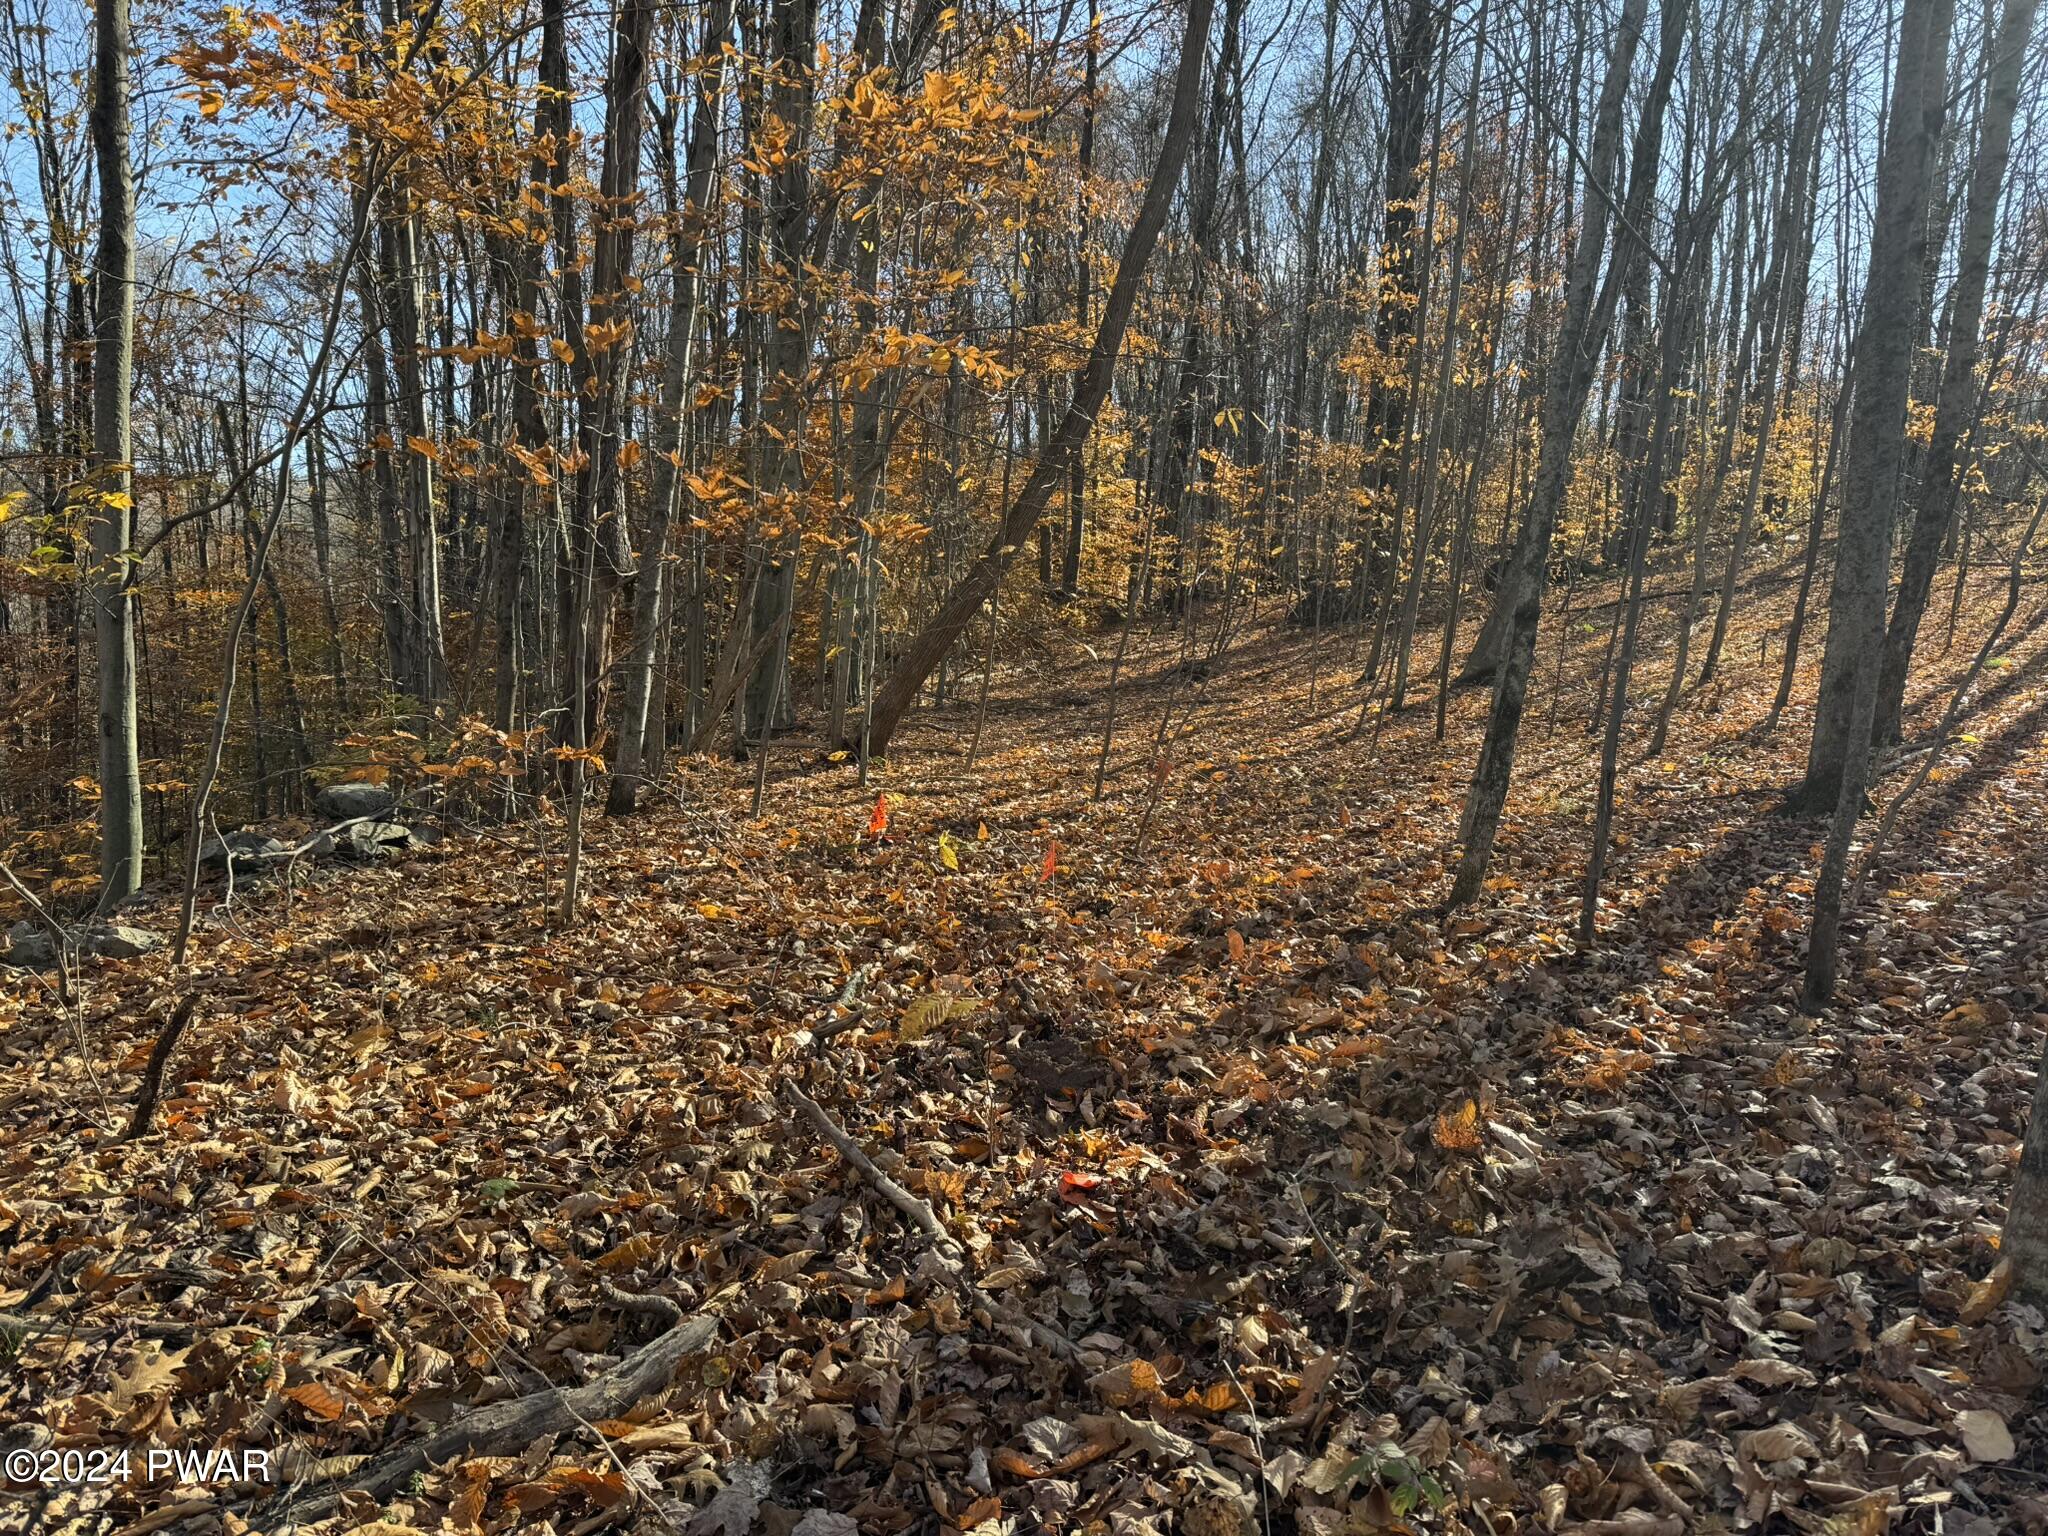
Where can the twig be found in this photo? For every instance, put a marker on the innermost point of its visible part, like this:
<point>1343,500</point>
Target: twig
<point>946,1248</point>
<point>42,914</point>
<point>951,1254</point>
<point>312,840</point>
<point>1359,1285</point>
<point>153,1073</point>
<point>67,994</point>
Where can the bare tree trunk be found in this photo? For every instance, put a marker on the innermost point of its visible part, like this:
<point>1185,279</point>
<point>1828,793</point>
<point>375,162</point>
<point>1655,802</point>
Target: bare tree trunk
<point>1816,528</point>
<point>1683,288</point>
<point>1426,496</point>
<point>924,653</point>
<point>234,441</point>
<point>1838,762</point>
<point>1077,478</point>
<point>644,716</point>
<point>599,357</point>
<point>323,556</point>
<point>111,486</point>
<point>1403,292</point>
<point>1708,484</point>
<point>2025,1244</point>
<point>1580,339</point>
<point>1960,399</point>
<point>1785,292</point>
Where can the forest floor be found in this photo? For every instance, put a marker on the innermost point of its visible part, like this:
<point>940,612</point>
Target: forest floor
<point>1274,1199</point>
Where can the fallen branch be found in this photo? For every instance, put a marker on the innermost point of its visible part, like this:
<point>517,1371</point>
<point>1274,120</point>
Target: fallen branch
<point>951,1254</point>
<point>502,1428</point>
<point>843,1016</point>
<point>945,1247</point>
<point>170,1514</point>
<point>25,1327</point>
<point>153,1073</point>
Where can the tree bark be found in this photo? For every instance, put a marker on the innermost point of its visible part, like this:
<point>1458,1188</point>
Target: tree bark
<point>643,721</point>
<point>1580,339</point>
<point>1838,761</point>
<point>1959,399</point>
<point>112,484</point>
<point>2025,1244</point>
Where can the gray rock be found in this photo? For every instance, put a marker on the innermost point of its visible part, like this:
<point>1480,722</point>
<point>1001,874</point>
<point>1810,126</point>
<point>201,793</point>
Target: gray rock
<point>119,941</point>
<point>252,853</point>
<point>375,839</point>
<point>29,944</point>
<point>341,801</point>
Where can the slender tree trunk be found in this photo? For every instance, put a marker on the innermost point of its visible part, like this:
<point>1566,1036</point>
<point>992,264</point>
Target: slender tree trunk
<point>924,653</point>
<point>399,268</point>
<point>786,361</point>
<point>600,354</point>
<point>1402,293</point>
<point>644,716</point>
<point>1676,342</point>
<point>1708,485</point>
<point>1816,529</point>
<point>1581,338</point>
<point>323,556</point>
<point>1959,400</point>
<point>1838,761</point>
<point>111,486</point>
<point>234,441</point>
<point>1077,479</point>
<point>1425,500</point>
<point>1791,256</point>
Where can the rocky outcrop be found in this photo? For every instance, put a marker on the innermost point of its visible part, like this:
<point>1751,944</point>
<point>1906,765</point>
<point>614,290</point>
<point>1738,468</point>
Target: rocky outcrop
<point>248,853</point>
<point>345,802</point>
<point>32,946</point>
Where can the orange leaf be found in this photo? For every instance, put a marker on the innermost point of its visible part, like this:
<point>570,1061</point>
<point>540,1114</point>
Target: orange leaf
<point>1988,1294</point>
<point>1052,861</point>
<point>1458,1132</point>
<point>628,1254</point>
<point>879,822</point>
<point>318,1399</point>
<point>603,1489</point>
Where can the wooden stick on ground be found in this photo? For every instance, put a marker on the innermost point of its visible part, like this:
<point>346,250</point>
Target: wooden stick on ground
<point>503,1427</point>
<point>843,1016</point>
<point>951,1254</point>
<point>20,1328</point>
<point>153,1074</point>
<point>944,1245</point>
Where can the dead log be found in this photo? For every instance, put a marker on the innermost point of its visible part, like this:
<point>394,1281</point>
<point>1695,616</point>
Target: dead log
<point>502,1428</point>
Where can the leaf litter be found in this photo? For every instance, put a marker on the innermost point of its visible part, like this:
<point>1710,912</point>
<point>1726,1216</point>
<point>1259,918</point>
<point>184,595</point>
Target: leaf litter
<point>1273,1199</point>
